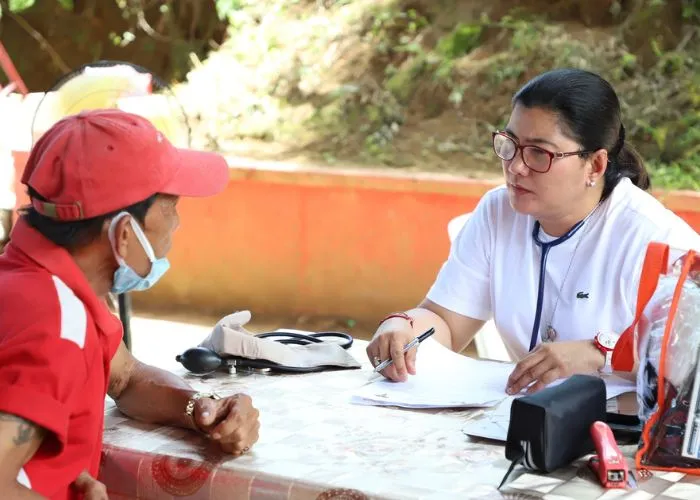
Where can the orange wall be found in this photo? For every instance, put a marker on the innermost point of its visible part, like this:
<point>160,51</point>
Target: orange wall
<point>313,243</point>
<point>321,242</point>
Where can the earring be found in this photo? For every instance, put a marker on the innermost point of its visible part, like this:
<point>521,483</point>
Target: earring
<point>590,183</point>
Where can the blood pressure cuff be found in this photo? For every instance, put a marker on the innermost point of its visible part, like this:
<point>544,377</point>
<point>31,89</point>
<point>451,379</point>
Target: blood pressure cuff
<point>551,428</point>
<point>230,338</point>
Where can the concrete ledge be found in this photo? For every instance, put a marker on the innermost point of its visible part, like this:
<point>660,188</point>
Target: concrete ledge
<point>287,241</point>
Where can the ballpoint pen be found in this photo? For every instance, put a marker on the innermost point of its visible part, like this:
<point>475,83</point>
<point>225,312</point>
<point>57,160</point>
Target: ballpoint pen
<point>420,338</point>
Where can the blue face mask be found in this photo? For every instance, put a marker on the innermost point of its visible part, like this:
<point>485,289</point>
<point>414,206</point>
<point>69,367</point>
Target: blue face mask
<point>125,278</point>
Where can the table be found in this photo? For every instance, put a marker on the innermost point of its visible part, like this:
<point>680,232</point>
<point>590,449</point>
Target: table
<point>315,445</point>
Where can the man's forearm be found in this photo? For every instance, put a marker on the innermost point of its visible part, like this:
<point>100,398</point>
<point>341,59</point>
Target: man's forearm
<point>19,440</point>
<point>155,396</point>
<point>19,492</point>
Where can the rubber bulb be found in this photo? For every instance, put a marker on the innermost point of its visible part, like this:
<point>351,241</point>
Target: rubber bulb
<point>200,360</point>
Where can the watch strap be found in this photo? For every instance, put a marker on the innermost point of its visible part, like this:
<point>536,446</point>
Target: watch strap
<point>605,351</point>
<point>607,367</point>
<point>601,347</point>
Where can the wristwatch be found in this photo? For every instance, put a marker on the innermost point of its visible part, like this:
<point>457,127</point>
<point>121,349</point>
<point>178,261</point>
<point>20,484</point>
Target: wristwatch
<point>189,409</point>
<point>605,342</point>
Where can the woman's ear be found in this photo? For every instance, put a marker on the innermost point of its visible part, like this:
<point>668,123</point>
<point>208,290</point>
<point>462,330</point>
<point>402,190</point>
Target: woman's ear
<point>597,165</point>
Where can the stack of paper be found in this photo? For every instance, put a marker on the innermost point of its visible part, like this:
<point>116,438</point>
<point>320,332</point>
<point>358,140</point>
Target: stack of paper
<point>445,379</point>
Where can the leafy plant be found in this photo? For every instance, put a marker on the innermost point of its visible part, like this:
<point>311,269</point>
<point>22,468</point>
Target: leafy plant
<point>407,60</point>
<point>691,10</point>
<point>461,41</point>
<point>20,5</point>
<point>395,30</point>
<point>227,8</point>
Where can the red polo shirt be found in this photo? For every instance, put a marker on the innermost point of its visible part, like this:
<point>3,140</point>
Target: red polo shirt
<point>57,339</point>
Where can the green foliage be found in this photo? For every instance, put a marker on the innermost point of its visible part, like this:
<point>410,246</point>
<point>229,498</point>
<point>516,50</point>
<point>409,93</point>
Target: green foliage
<point>661,101</point>
<point>421,62</point>
<point>691,11</point>
<point>461,41</point>
<point>683,174</point>
<point>395,31</point>
<point>20,5</point>
<point>501,72</point>
<point>369,70</point>
<point>403,81</point>
<point>628,66</point>
<point>227,8</point>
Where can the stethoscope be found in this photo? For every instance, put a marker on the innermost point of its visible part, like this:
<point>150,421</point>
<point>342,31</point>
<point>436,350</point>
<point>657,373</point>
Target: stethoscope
<point>203,361</point>
<point>546,246</point>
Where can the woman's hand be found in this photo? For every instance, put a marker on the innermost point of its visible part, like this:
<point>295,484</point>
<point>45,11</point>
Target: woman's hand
<point>388,342</point>
<point>553,361</point>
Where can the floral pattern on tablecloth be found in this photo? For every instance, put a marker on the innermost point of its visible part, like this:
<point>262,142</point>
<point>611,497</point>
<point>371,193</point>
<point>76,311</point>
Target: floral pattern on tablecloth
<point>315,445</point>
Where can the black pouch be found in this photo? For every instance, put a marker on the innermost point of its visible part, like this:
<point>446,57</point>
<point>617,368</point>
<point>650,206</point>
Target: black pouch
<point>551,428</point>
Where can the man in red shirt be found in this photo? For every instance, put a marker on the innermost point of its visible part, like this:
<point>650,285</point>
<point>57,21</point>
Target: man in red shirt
<point>104,186</point>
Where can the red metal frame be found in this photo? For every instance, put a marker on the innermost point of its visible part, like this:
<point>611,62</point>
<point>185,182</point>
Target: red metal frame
<point>9,68</point>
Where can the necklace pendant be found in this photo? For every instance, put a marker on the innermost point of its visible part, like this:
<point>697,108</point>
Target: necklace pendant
<point>550,334</point>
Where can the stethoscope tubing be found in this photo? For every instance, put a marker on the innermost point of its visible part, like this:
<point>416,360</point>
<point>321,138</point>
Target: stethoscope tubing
<point>297,338</point>
<point>545,248</point>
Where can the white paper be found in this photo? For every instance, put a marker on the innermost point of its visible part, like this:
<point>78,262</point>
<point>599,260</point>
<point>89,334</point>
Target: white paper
<point>444,379</point>
<point>494,424</point>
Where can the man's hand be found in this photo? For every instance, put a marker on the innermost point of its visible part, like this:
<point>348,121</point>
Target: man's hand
<point>553,361</point>
<point>89,487</point>
<point>232,422</point>
<point>154,395</point>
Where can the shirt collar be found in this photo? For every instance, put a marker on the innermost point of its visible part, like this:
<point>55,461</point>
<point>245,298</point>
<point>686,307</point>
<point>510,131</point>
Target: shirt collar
<point>57,261</point>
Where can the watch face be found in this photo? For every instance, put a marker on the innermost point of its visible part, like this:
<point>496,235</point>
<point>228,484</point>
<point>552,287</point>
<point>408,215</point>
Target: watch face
<point>607,340</point>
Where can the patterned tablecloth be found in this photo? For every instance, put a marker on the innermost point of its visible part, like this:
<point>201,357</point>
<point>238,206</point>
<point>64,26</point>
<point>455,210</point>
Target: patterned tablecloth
<point>315,445</point>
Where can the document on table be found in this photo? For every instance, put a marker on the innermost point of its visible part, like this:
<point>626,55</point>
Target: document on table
<point>446,379</point>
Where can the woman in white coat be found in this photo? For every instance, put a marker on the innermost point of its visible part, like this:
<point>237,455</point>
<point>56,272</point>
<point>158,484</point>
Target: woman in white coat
<point>555,254</point>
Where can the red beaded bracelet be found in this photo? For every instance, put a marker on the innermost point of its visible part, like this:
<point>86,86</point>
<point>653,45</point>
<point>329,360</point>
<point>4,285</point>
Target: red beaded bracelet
<point>398,315</point>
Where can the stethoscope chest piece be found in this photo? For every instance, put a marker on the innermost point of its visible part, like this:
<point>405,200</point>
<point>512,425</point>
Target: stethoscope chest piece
<point>550,334</point>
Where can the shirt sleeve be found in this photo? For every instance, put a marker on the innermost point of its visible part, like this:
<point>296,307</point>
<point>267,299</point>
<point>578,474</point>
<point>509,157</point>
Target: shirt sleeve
<point>681,236</point>
<point>463,284</point>
<point>677,234</point>
<point>40,372</point>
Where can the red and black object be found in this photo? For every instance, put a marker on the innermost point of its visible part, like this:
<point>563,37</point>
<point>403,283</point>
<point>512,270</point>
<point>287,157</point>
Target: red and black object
<point>609,464</point>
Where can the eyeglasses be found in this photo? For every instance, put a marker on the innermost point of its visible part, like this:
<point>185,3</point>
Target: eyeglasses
<point>534,157</point>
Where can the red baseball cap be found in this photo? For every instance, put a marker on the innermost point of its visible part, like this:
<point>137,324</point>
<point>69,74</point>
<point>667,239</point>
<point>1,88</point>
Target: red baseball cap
<point>100,161</point>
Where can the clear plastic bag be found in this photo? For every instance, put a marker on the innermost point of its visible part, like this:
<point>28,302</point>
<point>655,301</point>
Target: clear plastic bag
<point>668,379</point>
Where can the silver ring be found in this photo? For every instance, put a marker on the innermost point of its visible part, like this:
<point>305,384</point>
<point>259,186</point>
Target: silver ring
<point>376,360</point>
